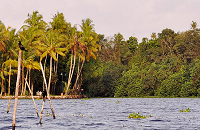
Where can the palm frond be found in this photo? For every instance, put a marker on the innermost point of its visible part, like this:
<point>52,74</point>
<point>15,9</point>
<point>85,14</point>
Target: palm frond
<point>53,54</point>
<point>43,55</point>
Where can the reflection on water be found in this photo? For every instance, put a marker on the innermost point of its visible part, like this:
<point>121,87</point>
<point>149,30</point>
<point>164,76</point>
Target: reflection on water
<point>104,113</point>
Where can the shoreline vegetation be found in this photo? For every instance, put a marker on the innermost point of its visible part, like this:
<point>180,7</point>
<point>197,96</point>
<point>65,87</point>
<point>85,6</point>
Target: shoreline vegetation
<point>51,97</point>
<point>81,97</point>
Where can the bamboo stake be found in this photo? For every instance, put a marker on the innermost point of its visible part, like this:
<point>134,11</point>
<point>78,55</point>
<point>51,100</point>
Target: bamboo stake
<point>17,88</point>
<point>32,97</point>
<point>45,82</point>
<point>9,105</point>
<point>41,112</point>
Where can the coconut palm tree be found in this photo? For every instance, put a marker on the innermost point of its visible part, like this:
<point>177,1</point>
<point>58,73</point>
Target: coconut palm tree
<point>60,26</point>
<point>72,63</point>
<point>50,44</point>
<point>10,63</point>
<point>87,45</point>
<point>35,22</point>
<point>33,29</point>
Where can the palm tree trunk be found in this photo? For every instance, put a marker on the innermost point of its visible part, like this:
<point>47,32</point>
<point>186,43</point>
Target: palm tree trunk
<point>70,70</point>
<point>44,70</point>
<point>50,71</point>
<point>43,74</point>
<point>57,64</point>
<point>29,78</point>
<point>25,84</point>
<point>22,79</point>
<point>32,86</point>
<point>2,87</point>
<point>9,81</point>
<point>55,73</point>
<point>54,66</point>
<point>17,88</point>
<point>77,78</point>
<point>71,74</point>
<point>79,59</point>
<point>77,72</point>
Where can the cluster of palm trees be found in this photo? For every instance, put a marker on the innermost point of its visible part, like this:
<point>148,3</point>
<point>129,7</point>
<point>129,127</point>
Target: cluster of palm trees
<point>46,41</point>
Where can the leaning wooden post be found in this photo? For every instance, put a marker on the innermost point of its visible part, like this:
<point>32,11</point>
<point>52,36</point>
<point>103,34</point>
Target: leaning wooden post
<point>9,104</point>
<point>45,82</point>
<point>41,112</point>
<point>17,87</point>
<point>32,97</point>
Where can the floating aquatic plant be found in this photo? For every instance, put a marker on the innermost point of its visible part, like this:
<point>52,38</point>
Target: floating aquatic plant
<point>80,115</point>
<point>85,99</point>
<point>48,114</point>
<point>187,110</point>
<point>137,115</point>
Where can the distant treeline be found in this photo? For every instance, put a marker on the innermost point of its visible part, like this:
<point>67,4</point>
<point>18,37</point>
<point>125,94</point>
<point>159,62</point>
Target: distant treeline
<point>84,62</point>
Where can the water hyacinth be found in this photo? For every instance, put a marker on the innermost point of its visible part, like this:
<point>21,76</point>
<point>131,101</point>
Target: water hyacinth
<point>137,115</point>
<point>187,110</point>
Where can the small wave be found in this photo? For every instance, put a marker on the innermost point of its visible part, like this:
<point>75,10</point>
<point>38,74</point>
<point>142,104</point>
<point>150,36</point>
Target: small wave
<point>16,127</point>
<point>6,128</point>
<point>93,124</point>
<point>158,120</point>
<point>6,119</point>
<point>122,120</point>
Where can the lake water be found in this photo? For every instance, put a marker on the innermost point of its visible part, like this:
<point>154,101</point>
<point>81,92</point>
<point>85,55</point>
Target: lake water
<point>104,114</point>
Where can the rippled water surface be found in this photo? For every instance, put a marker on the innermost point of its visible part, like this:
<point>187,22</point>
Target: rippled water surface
<point>104,114</point>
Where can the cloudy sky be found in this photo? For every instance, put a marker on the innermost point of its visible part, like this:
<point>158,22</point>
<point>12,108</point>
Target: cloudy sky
<point>137,18</point>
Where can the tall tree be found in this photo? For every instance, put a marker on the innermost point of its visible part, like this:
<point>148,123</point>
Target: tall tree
<point>87,46</point>
<point>29,33</point>
<point>118,41</point>
<point>166,41</point>
<point>132,43</point>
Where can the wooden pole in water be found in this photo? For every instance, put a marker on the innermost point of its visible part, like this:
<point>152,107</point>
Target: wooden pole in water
<point>45,82</point>
<point>41,112</point>
<point>17,88</point>
<point>9,105</point>
<point>32,97</point>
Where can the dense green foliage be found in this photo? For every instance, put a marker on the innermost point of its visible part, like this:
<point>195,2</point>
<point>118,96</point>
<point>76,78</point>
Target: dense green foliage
<point>167,65</point>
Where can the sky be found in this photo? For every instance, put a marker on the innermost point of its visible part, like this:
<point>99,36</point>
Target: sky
<point>138,18</point>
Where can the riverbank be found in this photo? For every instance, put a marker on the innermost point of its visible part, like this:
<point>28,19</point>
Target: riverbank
<point>40,97</point>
